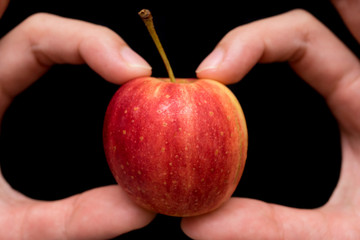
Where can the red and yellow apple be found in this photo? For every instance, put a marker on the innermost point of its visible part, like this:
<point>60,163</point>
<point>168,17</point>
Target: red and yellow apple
<point>176,148</point>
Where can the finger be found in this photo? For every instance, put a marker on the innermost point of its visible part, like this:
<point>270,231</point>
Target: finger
<point>349,11</point>
<point>43,40</point>
<point>311,49</point>
<point>247,219</point>
<point>101,213</point>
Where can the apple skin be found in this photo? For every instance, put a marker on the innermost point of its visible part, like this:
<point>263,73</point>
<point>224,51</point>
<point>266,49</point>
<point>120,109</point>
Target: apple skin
<point>177,149</point>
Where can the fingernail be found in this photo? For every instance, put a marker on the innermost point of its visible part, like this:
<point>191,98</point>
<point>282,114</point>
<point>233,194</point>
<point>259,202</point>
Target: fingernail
<point>132,59</point>
<point>212,61</point>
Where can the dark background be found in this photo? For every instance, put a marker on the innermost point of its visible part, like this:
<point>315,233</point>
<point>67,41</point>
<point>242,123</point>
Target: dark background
<point>51,137</point>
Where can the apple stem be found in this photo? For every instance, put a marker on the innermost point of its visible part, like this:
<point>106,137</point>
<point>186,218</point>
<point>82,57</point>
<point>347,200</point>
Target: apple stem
<point>146,16</point>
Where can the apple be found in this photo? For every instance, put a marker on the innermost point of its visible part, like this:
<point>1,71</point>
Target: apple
<point>176,146</point>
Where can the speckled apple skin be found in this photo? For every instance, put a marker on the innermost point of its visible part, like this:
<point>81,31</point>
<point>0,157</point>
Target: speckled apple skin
<point>176,148</point>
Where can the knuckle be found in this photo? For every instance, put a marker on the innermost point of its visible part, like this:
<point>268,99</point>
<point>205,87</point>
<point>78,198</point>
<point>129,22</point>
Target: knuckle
<point>37,18</point>
<point>34,24</point>
<point>303,16</point>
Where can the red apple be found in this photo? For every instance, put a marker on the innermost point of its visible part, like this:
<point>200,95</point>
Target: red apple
<point>176,148</point>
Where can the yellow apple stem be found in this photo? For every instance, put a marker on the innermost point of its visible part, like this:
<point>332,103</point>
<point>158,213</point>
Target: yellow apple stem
<point>146,16</point>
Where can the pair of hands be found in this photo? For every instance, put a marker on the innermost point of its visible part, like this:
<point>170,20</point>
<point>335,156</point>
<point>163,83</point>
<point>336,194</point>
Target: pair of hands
<point>311,49</point>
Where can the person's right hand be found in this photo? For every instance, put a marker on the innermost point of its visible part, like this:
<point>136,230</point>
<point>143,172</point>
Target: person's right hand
<point>324,62</point>
<point>26,53</point>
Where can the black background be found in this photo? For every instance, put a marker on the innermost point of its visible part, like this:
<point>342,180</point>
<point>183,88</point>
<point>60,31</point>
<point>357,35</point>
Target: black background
<point>51,137</point>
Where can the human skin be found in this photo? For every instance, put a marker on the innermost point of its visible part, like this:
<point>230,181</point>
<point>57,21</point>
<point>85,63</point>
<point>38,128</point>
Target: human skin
<point>239,218</point>
<point>27,52</point>
<point>326,64</point>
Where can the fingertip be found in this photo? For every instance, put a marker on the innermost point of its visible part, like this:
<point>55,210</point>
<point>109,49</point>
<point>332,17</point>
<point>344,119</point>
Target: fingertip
<point>212,61</point>
<point>211,66</point>
<point>193,227</point>
<point>224,64</point>
<point>112,58</point>
<point>122,208</point>
<point>121,72</point>
<point>136,66</point>
<point>221,74</point>
<point>132,59</point>
<point>131,65</point>
<point>137,217</point>
<point>218,224</point>
<point>121,65</point>
<point>104,213</point>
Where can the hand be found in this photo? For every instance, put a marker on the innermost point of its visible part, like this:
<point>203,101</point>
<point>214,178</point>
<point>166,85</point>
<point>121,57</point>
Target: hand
<point>26,53</point>
<point>326,64</point>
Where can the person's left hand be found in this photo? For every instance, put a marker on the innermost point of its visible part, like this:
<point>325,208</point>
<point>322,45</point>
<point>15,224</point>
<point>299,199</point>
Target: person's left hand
<point>327,65</point>
<point>26,53</point>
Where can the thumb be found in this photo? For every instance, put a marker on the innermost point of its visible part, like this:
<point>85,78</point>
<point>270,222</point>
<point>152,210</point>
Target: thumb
<point>100,213</point>
<point>242,218</point>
